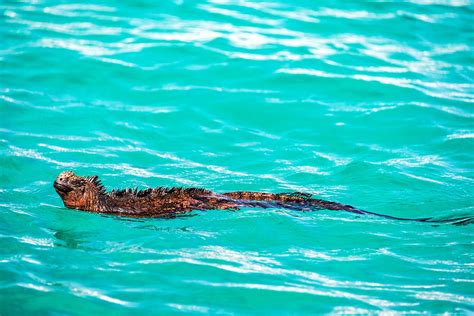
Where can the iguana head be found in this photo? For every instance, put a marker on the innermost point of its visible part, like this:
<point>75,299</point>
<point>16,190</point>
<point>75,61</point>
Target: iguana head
<point>78,192</point>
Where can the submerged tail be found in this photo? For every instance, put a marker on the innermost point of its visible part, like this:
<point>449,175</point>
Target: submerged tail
<point>304,202</point>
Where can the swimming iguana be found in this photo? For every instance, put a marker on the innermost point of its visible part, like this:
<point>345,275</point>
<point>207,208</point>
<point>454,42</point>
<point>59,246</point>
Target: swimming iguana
<point>88,194</point>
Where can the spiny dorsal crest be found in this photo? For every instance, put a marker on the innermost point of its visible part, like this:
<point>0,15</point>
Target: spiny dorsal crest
<point>97,183</point>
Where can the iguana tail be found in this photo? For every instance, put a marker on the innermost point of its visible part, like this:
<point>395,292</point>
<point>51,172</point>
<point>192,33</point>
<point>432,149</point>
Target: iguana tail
<point>304,202</point>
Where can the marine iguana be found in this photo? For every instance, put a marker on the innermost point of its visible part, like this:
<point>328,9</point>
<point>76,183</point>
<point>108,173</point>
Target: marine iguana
<point>88,194</point>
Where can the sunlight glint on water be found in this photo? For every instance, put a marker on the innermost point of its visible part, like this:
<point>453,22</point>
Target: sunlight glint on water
<point>365,103</point>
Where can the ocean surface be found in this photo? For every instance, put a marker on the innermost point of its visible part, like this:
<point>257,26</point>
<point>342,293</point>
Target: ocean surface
<point>367,103</point>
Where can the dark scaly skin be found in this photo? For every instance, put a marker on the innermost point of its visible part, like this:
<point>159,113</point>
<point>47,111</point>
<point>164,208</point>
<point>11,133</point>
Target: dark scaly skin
<point>88,194</point>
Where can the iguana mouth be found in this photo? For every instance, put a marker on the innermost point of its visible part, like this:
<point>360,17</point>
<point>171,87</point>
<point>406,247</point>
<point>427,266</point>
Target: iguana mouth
<point>62,188</point>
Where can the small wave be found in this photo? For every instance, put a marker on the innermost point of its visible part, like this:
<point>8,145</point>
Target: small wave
<point>368,103</point>
<point>437,89</point>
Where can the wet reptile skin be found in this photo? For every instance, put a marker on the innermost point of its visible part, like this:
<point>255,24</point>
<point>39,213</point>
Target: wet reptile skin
<point>88,194</point>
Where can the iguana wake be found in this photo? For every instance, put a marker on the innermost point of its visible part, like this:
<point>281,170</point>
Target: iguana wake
<point>88,194</point>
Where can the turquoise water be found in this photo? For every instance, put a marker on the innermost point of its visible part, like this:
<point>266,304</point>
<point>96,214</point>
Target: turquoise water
<point>365,103</point>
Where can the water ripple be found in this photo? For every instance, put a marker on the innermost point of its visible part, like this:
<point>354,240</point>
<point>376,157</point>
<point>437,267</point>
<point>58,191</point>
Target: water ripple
<point>365,103</point>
